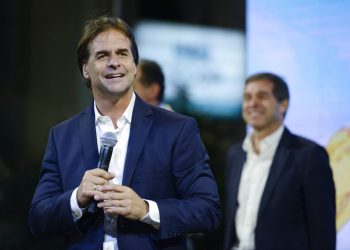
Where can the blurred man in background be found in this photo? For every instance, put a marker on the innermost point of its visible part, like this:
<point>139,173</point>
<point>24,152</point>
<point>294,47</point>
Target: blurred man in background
<point>150,83</point>
<point>279,190</point>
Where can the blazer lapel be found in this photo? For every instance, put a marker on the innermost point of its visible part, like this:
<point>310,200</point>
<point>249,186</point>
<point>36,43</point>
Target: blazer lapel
<point>140,126</point>
<point>88,137</point>
<point>234,178</point>
<point>279,163</point>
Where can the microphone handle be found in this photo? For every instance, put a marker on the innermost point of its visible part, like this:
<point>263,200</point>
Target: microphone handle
<point>105,157</point>
<point>103,163</point>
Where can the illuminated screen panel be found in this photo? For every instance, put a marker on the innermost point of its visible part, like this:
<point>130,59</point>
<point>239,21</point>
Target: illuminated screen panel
<point>204,64</point>
<point>308,44</point>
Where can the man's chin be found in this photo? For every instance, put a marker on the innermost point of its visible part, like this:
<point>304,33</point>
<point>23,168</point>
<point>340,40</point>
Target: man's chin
<point>255,123</point>
<point>117,89</point>
<point>257,126</point>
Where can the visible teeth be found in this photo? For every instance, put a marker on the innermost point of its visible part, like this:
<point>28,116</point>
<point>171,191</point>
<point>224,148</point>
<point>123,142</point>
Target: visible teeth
<point>114,75</point>
<point>254,113</point>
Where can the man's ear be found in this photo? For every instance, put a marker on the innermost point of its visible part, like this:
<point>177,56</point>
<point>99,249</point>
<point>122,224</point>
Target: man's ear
<point>136,70</point>
<point>154,90</point>
<point>85,72</point>
<point>284,106</point>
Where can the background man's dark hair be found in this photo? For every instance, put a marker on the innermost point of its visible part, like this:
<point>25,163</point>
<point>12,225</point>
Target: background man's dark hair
<point>152,73</point>
<point>95,27</point>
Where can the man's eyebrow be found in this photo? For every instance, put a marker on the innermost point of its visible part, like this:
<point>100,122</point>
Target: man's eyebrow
<point>122,50</point>
<point>99,52</point>
<point>263,92</point>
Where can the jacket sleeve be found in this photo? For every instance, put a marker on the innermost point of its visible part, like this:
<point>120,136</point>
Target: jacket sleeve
<point>197,205</point>
<point>320,200</point>
<point>50,212</point>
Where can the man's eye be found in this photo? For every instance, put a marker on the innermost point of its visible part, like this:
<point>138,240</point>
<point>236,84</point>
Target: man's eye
<point>101,57</point>
<point>263,96</point>
<point>123,53</point>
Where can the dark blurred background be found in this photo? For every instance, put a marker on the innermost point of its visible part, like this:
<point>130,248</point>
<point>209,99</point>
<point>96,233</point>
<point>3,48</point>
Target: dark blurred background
<point>40,85</point>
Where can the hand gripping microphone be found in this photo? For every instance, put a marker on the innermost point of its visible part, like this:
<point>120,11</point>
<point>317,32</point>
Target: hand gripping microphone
<point>108,141</point>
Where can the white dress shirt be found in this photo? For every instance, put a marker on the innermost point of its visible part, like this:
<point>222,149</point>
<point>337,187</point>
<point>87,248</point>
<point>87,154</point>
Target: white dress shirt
<point>252,184</point>
<point>116,166</point>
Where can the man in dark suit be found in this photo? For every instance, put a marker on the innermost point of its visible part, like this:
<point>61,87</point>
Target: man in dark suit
<point>159,185</point>
<point>279,190</point>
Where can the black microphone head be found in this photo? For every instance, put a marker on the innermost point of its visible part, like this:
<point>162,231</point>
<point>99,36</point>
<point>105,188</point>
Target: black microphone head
<point>108,139</point>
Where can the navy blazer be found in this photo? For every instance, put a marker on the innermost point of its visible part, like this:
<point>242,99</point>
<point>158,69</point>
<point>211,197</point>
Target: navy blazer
<point>297,208</point>
<point>165,162</point>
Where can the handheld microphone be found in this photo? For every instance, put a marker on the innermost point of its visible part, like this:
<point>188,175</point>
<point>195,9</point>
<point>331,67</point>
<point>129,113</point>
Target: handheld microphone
<point>108,141</point>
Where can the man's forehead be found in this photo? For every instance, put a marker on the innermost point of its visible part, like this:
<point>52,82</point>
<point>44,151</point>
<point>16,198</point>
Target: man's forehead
<point>111,37</point>
<point>262,85</point>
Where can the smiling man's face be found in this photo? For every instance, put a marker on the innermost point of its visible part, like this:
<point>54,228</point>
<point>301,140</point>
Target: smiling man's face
<point>260,107</point>
<point>111,68</point>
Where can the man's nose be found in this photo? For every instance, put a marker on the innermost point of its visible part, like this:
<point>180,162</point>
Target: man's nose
<point>253,101</point>
<point>112,61</point>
